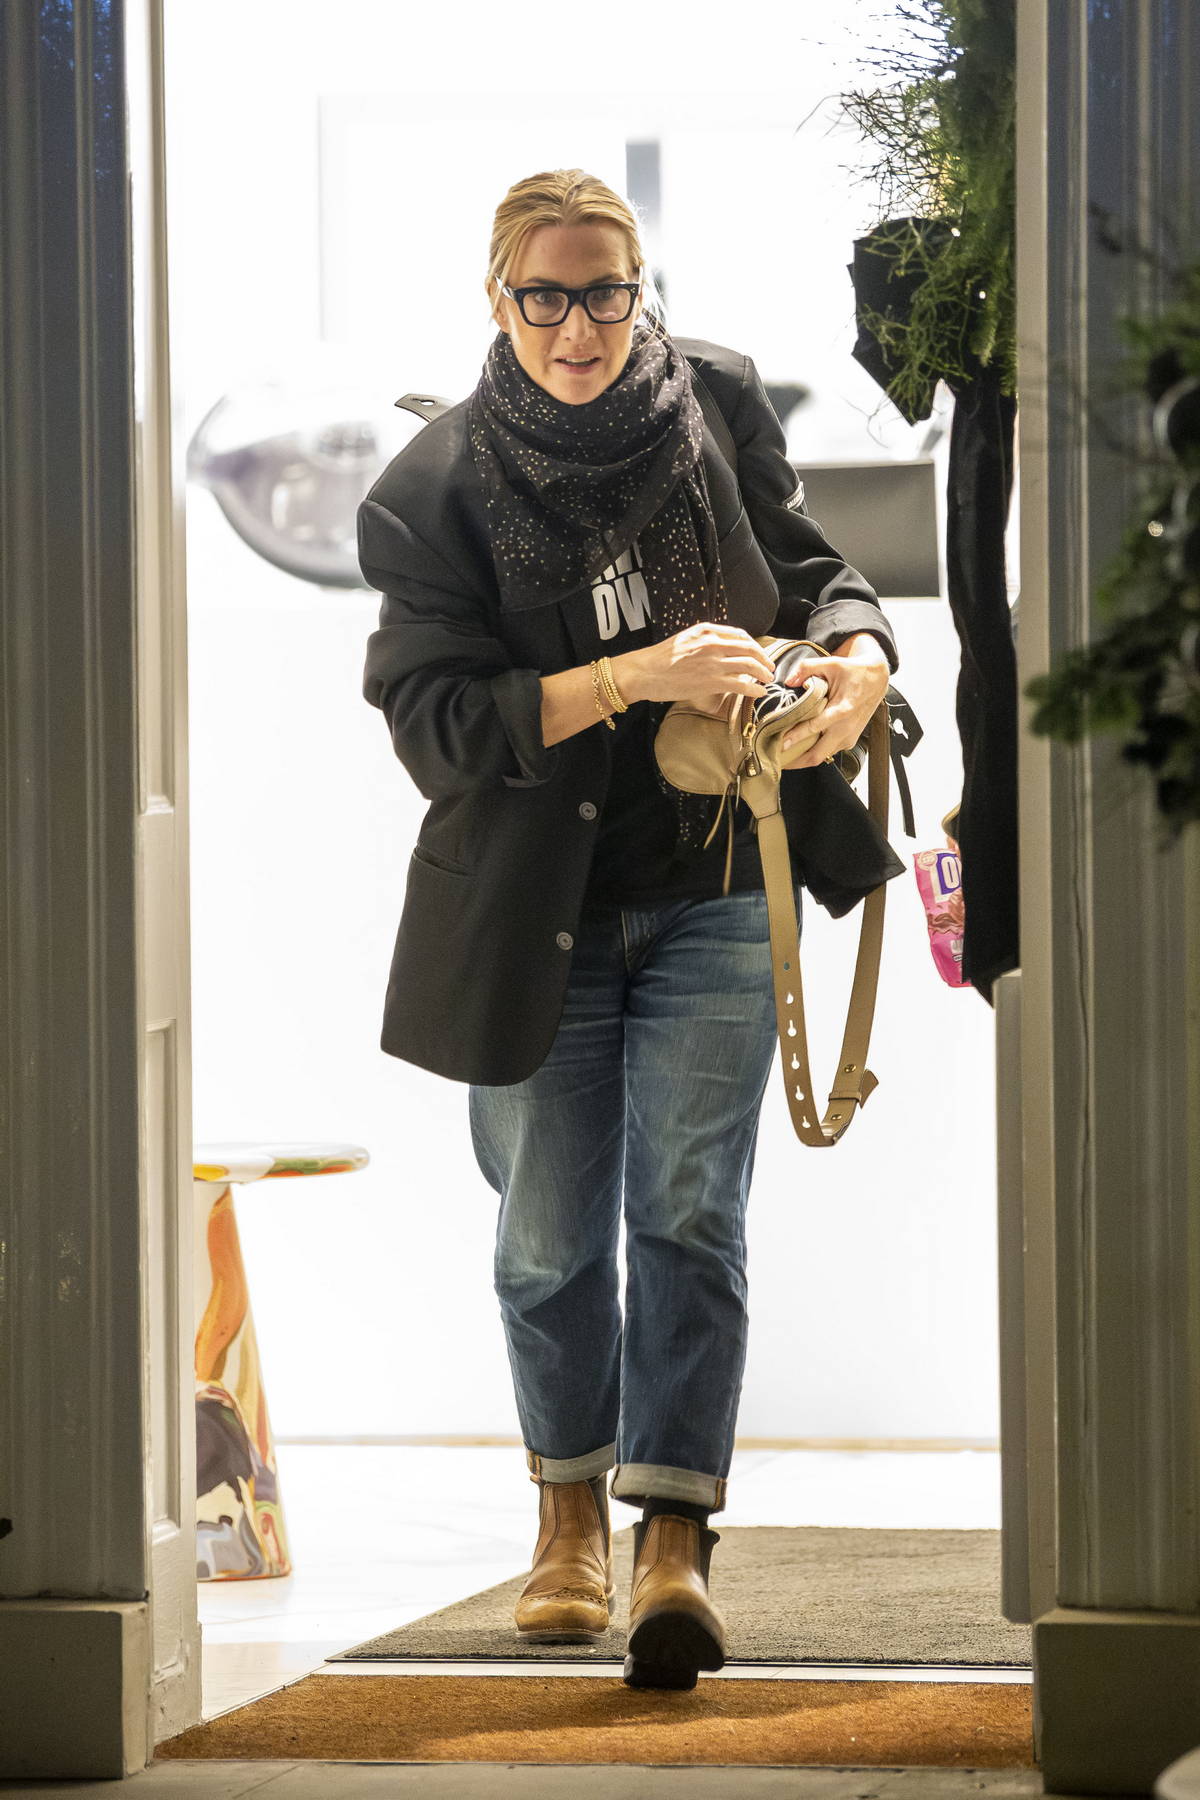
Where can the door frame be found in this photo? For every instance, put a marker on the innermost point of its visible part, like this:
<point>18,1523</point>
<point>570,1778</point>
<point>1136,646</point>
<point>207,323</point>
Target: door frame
<point>1109,1034</point>
<point>97,1627</point>
<point>98,1632</point>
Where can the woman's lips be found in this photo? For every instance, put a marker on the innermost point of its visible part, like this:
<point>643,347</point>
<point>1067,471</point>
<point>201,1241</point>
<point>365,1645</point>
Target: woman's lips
<point>578,368</point>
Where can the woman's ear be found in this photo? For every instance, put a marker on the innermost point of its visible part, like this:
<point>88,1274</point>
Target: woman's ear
<point>497,314</point>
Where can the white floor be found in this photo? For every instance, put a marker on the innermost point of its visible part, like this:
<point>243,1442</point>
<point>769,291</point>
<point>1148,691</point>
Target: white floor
<point>382,1534</point>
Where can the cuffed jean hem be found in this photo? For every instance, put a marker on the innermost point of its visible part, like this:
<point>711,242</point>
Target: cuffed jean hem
<point>635,1483</point>
<point>571,1468</point>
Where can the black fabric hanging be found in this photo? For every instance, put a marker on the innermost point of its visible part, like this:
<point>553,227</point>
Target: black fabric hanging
<point>979,487</point>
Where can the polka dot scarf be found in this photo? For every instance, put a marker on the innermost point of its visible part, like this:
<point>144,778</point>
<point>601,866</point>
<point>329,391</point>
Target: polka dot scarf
<point>568,488</point>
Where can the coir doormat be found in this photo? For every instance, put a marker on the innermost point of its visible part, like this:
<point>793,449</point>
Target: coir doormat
<point>561,1719</point>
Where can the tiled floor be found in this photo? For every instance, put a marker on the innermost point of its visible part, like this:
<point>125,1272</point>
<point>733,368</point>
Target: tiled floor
<point>382,1534</point>
<point>532,1781</point>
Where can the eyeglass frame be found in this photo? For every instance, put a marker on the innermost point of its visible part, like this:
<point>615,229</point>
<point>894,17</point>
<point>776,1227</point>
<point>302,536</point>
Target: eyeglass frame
<point>575,297</point>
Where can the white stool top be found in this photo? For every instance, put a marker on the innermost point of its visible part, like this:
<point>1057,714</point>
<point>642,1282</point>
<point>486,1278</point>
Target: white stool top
<point>257,1161</point>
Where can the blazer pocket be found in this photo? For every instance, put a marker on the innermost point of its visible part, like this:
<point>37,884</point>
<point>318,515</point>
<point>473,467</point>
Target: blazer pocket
<point>752,590</point>
<point>433,859</point>
<point>737,542</point>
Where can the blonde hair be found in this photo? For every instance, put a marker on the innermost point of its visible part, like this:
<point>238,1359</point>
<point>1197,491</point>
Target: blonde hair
<point>564,197</point>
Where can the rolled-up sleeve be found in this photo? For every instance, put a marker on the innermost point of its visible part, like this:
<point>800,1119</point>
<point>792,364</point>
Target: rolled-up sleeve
<point>820,596</point>
<point>461,714</point>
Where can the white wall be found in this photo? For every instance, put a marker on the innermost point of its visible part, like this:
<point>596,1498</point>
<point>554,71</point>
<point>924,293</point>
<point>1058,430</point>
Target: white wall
<point>872,1271</point>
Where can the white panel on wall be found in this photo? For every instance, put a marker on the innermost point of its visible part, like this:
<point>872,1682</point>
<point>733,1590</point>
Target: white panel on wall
<point>411,283</point>
<point>872,1277</point>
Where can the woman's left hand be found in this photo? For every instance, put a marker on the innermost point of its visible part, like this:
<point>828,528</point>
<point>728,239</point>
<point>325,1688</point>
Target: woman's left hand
<point>857,678</point>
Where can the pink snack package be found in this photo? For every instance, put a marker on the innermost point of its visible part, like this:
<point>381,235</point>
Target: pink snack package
<point>939,883</point>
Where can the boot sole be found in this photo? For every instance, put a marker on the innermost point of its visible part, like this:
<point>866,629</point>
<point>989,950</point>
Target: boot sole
<point>563,1637</point>
<point>669,1648</point>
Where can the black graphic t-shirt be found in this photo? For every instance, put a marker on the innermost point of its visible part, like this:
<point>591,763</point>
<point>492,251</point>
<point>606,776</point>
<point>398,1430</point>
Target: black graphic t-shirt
<point>636,856</point>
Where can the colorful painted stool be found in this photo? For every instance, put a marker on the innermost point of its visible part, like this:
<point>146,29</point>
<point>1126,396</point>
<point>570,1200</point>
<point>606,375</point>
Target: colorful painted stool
<point>240,1531</point>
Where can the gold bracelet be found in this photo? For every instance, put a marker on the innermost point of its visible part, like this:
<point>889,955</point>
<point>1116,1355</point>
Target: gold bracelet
<point>610,686</point>
<point>596,691</point>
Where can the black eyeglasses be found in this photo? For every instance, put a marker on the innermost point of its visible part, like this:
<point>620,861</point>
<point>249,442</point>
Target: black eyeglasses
<point>607,302</point>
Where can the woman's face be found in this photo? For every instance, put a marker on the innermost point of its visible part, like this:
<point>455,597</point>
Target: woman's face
<point>572,256</point>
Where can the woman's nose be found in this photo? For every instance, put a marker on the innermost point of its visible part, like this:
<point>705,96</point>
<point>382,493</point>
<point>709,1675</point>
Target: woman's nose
<point>578,322</point>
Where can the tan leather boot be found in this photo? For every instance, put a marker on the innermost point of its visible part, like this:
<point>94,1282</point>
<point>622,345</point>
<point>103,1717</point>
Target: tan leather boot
<point>674,1628</point>
<point>567,1594</point>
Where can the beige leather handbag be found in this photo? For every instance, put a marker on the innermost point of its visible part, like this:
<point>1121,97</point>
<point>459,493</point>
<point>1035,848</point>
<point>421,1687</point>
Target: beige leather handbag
<point>735,753</point>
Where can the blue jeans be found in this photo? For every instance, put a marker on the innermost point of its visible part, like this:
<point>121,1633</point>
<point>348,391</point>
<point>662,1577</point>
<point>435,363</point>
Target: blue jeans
<point>654,1082</point>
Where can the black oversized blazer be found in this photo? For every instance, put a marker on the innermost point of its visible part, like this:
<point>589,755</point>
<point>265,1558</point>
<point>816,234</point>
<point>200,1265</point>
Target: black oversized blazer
<point>497,876</point>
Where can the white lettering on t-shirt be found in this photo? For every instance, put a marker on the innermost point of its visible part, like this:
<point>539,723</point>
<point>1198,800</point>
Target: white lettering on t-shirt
<point>619,593</point>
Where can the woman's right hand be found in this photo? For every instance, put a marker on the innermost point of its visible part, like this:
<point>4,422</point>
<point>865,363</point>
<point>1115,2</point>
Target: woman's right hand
<point>702,664</point>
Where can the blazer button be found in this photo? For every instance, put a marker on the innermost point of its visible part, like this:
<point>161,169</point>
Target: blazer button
<point>587,810</point>
<point>564,940</point>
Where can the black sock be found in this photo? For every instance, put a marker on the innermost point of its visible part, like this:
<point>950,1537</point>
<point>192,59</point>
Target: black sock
<point>681,1508</point>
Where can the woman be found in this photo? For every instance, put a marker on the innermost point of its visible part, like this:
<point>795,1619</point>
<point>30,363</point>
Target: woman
<point>565,946</point>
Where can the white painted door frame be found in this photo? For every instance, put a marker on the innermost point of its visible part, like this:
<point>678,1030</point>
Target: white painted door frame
<point>1108,117</point>
<point>164,937</point>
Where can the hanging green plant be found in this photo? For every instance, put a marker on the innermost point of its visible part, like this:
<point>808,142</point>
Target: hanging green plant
<point>1139,676</point>
<point>945,178</point>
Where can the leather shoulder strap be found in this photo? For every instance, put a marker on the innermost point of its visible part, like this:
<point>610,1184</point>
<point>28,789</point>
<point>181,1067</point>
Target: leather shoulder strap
<point>717,422</point>
<point>426,406</point>
<point>854,1082</point>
